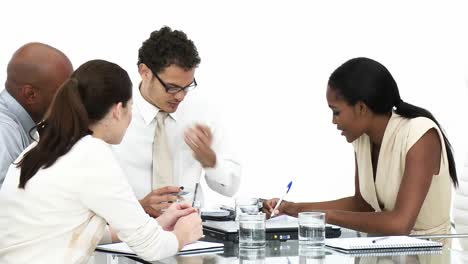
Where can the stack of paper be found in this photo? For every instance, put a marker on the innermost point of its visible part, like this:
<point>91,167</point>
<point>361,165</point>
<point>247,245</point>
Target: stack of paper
<point>194,248</point>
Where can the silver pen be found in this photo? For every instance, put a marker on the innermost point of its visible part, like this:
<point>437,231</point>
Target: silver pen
<point>195,192</point>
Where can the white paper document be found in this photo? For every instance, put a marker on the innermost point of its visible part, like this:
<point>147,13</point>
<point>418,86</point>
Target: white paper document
<point>194,248</point>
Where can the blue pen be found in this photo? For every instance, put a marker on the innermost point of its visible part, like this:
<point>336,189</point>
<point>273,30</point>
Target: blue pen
<point>279,202</point>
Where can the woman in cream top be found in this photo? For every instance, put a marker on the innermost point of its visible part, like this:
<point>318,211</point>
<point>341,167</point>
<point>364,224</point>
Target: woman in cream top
<point>61,193</point>
<point>404,162</point>
<point>400,135</point>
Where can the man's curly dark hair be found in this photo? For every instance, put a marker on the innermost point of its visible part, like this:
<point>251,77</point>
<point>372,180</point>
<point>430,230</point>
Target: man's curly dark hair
<point>166,47</point>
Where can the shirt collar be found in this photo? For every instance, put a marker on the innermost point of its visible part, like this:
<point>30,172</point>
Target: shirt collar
<point>15,108</point>
<point>147,110</point>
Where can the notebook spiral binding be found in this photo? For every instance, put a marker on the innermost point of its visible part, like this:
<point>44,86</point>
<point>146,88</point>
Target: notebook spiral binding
<point>389,246</point>
<point>392,252</point>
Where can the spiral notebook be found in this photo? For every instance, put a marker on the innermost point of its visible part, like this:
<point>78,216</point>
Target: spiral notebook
<point>388,244</point>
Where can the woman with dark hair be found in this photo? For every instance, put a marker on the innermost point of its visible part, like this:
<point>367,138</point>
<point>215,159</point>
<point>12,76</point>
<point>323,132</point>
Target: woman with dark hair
<point>404,161</point>
<point>58,197</point>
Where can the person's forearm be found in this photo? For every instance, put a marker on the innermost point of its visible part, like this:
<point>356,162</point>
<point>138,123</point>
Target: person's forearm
<point>346,204</point>
<point>382,223</point>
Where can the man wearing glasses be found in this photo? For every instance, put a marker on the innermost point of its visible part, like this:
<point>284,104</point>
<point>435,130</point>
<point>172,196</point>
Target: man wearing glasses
<point>166,149</point>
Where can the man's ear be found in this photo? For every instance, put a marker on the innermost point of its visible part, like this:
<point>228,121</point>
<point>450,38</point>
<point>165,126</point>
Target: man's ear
<point>28,94</point>
<point>145,72</point>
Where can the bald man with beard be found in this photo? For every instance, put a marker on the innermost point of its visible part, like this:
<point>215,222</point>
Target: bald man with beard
<point>34,74</point>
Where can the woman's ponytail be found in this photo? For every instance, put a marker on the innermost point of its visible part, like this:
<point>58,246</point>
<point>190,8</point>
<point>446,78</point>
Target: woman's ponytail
<point>81,101</point>
<point>411,111</point>
<point>65,122</point>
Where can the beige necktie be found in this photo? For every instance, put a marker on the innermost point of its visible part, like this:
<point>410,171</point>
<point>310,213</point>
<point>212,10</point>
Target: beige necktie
<point>162,161</point>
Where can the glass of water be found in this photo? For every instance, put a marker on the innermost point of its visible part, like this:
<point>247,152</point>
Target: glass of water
<point>246,206</point>
<point>312,229</point>
<point>252,230</point>
<point>252,255</point>
<point>308,255</point>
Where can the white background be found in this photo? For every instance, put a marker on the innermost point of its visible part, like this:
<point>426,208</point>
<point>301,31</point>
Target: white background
<point>265,66</point>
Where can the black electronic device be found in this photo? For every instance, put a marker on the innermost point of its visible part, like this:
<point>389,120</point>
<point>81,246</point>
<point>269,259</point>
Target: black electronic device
<point>228,231</point>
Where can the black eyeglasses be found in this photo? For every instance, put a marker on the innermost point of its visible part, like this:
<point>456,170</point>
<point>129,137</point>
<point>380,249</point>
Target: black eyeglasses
<point>175,89</point>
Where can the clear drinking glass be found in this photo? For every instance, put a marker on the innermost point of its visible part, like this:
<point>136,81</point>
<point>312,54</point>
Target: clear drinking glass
<point>252,230</point>
<point>312,229</point>
<point>252,255</point>
<point>308,255</point>
<point>246,206</point>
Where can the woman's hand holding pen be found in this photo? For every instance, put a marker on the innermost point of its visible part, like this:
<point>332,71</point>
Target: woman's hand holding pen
<point>269,205</point>
<point>276,206</point>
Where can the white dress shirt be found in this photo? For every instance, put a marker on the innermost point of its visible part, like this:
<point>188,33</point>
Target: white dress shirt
<point>136,150</point>
<point>61,214</point>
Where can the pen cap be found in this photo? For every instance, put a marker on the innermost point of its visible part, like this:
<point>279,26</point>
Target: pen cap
<point>289,186</point>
